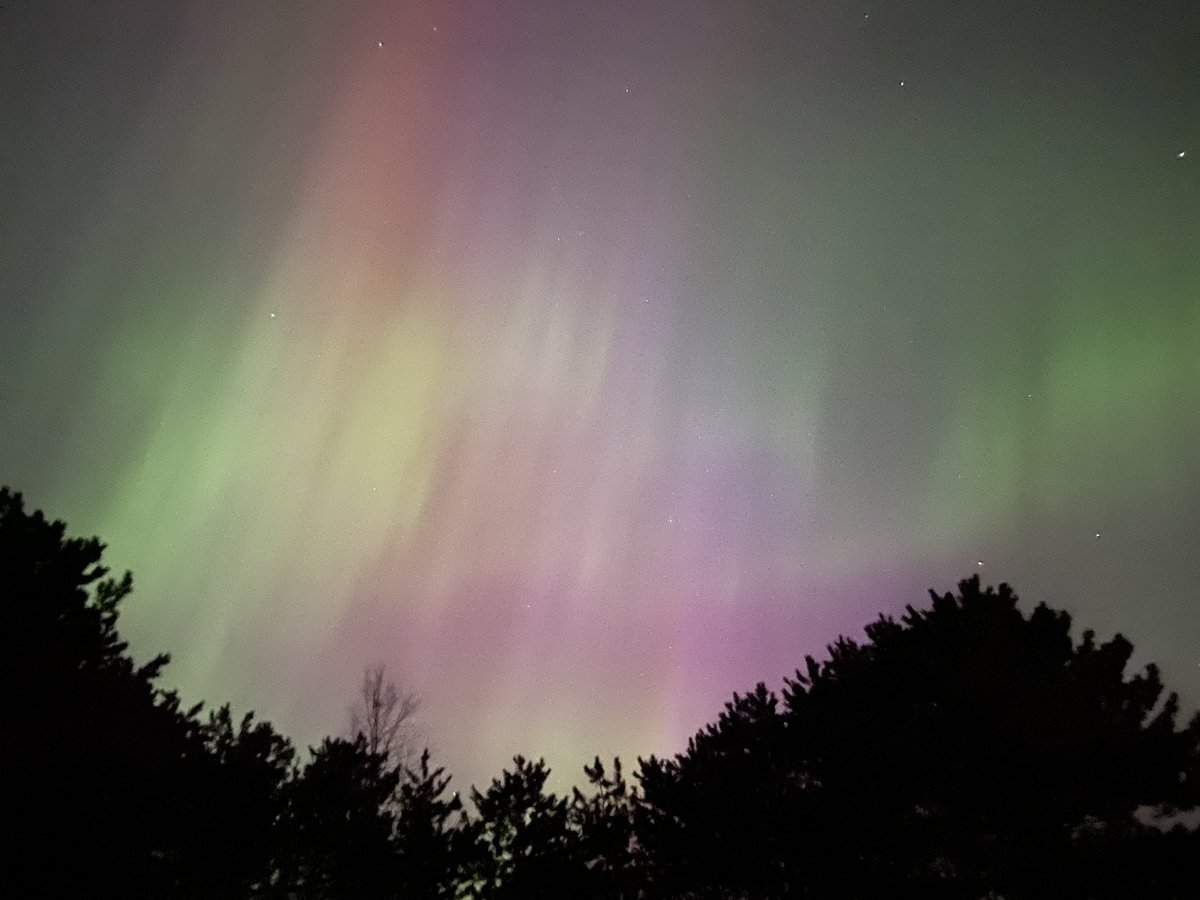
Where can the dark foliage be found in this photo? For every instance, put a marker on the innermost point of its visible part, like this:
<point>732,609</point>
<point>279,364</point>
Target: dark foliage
<point>239,780</point>
<point>604,821</point>
<point>93,758</point>
<point>337,828</point>
<point>965,751</point>
<point>436,843</point>
<point>529,850</point>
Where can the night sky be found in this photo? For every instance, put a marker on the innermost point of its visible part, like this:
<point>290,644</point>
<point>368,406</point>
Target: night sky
<point>589,361</point>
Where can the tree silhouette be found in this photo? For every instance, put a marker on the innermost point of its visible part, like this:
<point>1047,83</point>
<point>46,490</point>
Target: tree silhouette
<point>529,849</point>
<point>383,715</point>
<point>337,828</point>
<point>604,821</point>
<point>438,846</point>
<point>92,754</point>
<point>965,749</point>
<point>240,778</point>
<point>731,816</point>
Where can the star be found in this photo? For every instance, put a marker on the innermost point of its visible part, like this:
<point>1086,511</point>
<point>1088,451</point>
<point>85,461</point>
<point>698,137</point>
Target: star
<point>1181,154</point>
<point>272,315</point>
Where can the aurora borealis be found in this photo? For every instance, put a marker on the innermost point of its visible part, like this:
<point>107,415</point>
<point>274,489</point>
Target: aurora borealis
<point>587,362</point>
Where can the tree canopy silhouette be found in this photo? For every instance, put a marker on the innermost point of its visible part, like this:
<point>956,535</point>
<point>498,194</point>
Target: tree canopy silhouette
<point>338,825</point>
<point>964,749</point>
<point>967,750</point>
<point>93,756</point>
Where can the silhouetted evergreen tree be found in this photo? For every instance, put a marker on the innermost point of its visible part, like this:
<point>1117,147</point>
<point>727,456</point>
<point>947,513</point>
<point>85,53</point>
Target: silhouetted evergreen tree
<point>436,843</point>
<point>965,749</point>
<point>604,821</point>
<point>530,850</point>
<point>730,817</point>
<point>92,754</point>
<point>239,778</point>
<point>336,833</point>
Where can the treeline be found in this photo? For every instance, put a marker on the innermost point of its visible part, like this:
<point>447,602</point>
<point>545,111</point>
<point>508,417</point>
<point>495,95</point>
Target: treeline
<point>965,751</point>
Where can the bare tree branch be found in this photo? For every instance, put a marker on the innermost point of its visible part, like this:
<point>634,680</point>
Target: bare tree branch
<point>383,715</point>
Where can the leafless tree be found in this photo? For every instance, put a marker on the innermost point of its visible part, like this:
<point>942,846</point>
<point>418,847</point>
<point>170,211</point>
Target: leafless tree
<point>383,714</point>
